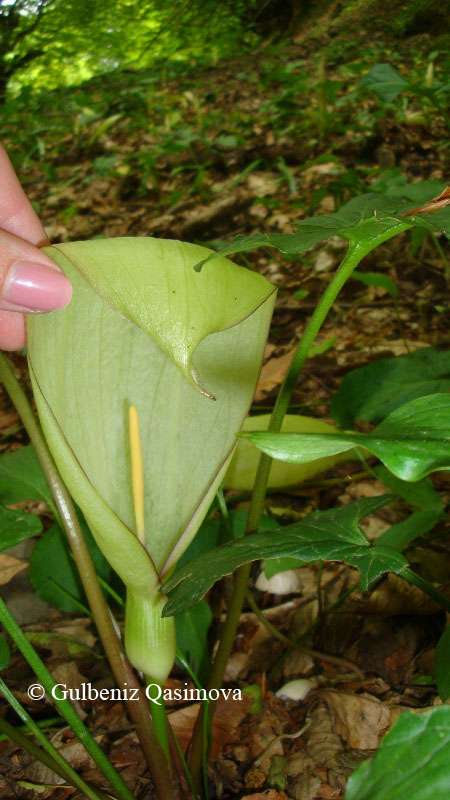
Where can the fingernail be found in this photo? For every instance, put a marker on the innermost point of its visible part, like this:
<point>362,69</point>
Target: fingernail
<point>35,287</point>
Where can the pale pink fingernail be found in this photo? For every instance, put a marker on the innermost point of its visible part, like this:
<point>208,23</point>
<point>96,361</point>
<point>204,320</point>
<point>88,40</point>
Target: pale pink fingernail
<point>36,287</point>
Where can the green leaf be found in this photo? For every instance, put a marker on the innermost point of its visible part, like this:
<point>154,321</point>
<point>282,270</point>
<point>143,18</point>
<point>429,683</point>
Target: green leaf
<point>371,393</point>
<point>242,470</point>
<point>376,279</point>
<point>368,220</point>
<point>127,337</point>
<point>420,192</point>
<point>412,441</point>
<point>322,347</point>
<point>403,533</point>
<point>385,81</point>
<point>16,526</point>
<point>191,633</point>
<point>442,665</point>
<point>330,535</point>
<point>5,653</point>
<point>52,565</point>
<point>412,761</point>
<point>394,183</point>
<point>22,478</point>
<point>71,647</point>
<point>421,494</point>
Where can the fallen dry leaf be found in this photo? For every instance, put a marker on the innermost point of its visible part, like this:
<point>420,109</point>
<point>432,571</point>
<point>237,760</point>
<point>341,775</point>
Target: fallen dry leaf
<point>272,374</point>
<point>10,566</point>
<point>266,742</point>
<point>270,794</point>
<point>360,720</point>
<point>324,745</point>
<point>229,713</point>
<point>78,629</point>
<point>70,676</point>
<point>303,780</point>
<point>392,596</point>
<point>389,653</point>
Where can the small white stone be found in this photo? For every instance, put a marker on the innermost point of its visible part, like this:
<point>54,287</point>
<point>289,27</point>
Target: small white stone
<point>324,261</point>
<point>296,690</point>
<point>282,583</point>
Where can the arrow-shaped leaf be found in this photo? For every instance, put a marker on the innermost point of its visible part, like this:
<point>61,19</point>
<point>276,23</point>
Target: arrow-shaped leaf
<point>385,81</point>
<point>367,220</point>
<point>333,535</point>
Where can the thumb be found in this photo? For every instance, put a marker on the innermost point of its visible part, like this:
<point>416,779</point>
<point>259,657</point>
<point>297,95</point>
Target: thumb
<point>29,279</point>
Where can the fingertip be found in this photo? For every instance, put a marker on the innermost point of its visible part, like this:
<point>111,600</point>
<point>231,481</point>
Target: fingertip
<point>17,215</point>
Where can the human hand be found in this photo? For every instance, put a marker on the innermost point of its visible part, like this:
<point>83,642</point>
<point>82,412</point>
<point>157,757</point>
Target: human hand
<point>29,280</point>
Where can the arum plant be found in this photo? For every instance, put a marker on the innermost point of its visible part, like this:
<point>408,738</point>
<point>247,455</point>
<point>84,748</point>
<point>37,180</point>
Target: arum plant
<point>141,384</point>
<point>364,223</point>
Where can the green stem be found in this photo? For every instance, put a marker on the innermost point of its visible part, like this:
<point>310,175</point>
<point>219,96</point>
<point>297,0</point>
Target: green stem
<point>63,705</point>
<point>122,670</point>
<point>15,735</point>
<point>355,252</point>
<point>48,754</point>
<point>313,625</point>
<point>426,587</point>
<point>43,724</point>
<point>441,253</point>
<point>293,491</point>
<point>159,717</point>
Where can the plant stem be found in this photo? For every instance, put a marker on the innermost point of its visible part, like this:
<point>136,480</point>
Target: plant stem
<point>427,588</point>
<point>293,491</point>
<point>43,724</point>
<point>48,754</point>
<point>313,625</point>
<point>122,670</point>
<point>63,705</point>
<point>441,253</point>
<point>15,735</point>
<point>355,252</point>
<point>293,645</point>
<point>437,104</point>
<point>159,717</point>
<point>180,763</point>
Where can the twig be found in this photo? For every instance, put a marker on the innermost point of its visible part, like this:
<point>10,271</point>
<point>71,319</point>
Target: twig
<point>341,662</point>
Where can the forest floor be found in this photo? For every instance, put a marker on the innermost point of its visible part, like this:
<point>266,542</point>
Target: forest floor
<point>255,144</point>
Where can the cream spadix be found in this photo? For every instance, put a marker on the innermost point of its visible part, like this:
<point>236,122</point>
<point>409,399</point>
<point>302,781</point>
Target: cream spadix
<point>144,329</point>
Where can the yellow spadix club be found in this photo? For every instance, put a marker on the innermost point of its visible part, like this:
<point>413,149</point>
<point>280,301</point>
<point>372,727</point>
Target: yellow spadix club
<point>137,473</point>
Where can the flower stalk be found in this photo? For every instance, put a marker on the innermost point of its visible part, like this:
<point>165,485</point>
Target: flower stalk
<point>355,252</point>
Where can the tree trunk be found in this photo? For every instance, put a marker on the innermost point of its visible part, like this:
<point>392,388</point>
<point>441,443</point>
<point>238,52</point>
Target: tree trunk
<point>4,79</point>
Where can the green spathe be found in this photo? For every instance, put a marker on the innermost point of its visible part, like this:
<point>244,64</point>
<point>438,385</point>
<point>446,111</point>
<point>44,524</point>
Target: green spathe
<point>137,331</point>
